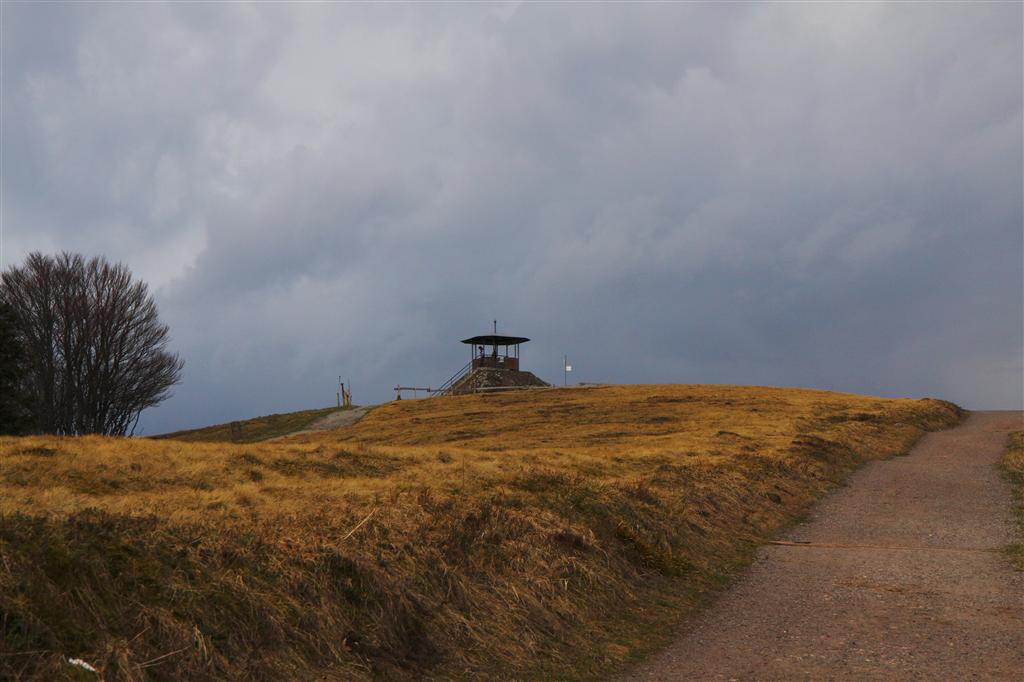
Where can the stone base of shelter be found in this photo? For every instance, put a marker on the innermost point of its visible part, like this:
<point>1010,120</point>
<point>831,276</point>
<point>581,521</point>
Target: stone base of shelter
<point>484,378</point>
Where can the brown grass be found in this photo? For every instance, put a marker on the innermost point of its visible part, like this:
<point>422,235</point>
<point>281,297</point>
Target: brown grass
<point>551,534</point>
<point>255,429</point>
<point>1013,466</point>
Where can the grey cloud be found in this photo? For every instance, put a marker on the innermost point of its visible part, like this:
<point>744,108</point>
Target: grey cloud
<point>803,195</point>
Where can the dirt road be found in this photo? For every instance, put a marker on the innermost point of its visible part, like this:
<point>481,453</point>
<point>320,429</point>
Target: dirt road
<point>335,420</point>
<point>902,579</point>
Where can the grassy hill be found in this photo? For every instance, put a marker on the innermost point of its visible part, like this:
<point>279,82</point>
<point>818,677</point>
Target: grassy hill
<point>548,534</point>
<point>255,429</point>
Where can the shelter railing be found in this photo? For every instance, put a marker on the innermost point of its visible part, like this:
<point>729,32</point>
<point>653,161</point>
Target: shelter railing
<point>447,386</point>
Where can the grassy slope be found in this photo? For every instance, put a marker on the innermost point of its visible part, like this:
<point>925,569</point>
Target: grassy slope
<point>254,430</point>
<point>1013,465</point>
<point>553,534</point>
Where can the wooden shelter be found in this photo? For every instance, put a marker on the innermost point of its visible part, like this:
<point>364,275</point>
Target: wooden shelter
<point>503,351</point>
<point>493,366</point>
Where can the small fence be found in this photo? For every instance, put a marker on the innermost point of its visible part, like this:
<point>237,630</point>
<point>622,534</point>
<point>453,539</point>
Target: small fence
<point>415,391</point>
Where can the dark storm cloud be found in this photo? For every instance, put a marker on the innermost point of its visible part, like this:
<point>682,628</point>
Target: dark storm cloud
<point>821,195</point>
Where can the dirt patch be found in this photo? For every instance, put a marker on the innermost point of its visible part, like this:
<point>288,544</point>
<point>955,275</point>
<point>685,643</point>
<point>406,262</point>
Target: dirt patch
<point>333,421</point>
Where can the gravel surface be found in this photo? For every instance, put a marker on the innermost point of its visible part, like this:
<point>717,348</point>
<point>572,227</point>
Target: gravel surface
<point>335,420</point>
<point>903,578</point>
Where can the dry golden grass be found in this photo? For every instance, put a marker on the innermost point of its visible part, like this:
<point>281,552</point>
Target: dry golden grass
<point>534,534</point>
<point>1013,465</point>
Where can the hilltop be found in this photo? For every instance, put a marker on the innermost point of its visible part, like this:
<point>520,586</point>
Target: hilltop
<point>256,429</point>
<point>537,534</point>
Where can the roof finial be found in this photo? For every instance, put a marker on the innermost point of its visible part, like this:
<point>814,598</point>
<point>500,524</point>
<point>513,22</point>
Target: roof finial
<point>495,326</point>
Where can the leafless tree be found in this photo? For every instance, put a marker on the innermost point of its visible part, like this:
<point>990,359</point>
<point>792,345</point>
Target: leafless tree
<point>96,350</point>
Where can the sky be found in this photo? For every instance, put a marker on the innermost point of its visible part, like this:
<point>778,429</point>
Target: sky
<point>797,194</point>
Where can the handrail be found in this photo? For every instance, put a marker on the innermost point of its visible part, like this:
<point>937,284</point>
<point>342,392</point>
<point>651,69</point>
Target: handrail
<point>446,386</point>
<point>400,388</point>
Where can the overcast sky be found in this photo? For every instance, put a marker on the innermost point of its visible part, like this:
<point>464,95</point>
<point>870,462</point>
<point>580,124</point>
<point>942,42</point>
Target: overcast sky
<point>825,195</point>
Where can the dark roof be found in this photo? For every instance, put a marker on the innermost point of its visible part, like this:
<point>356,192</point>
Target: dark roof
<point>495,340</point>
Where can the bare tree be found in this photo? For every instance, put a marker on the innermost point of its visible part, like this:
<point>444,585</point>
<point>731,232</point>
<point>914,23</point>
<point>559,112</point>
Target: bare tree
<point>96,350</point>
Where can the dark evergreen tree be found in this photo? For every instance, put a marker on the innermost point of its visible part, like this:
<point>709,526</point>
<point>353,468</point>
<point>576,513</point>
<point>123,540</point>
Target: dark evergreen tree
<point>15,413</point>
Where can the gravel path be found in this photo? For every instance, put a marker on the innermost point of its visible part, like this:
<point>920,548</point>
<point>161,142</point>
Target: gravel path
<point>335,420</point>
<point>903,579</point>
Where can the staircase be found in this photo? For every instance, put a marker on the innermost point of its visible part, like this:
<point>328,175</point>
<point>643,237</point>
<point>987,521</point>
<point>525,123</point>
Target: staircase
<point>446,387</point>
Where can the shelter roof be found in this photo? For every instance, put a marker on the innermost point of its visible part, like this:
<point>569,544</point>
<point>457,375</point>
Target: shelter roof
<point>495,340</point>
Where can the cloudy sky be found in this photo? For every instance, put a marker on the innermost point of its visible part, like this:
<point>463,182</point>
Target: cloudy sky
<point>824,195</point>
